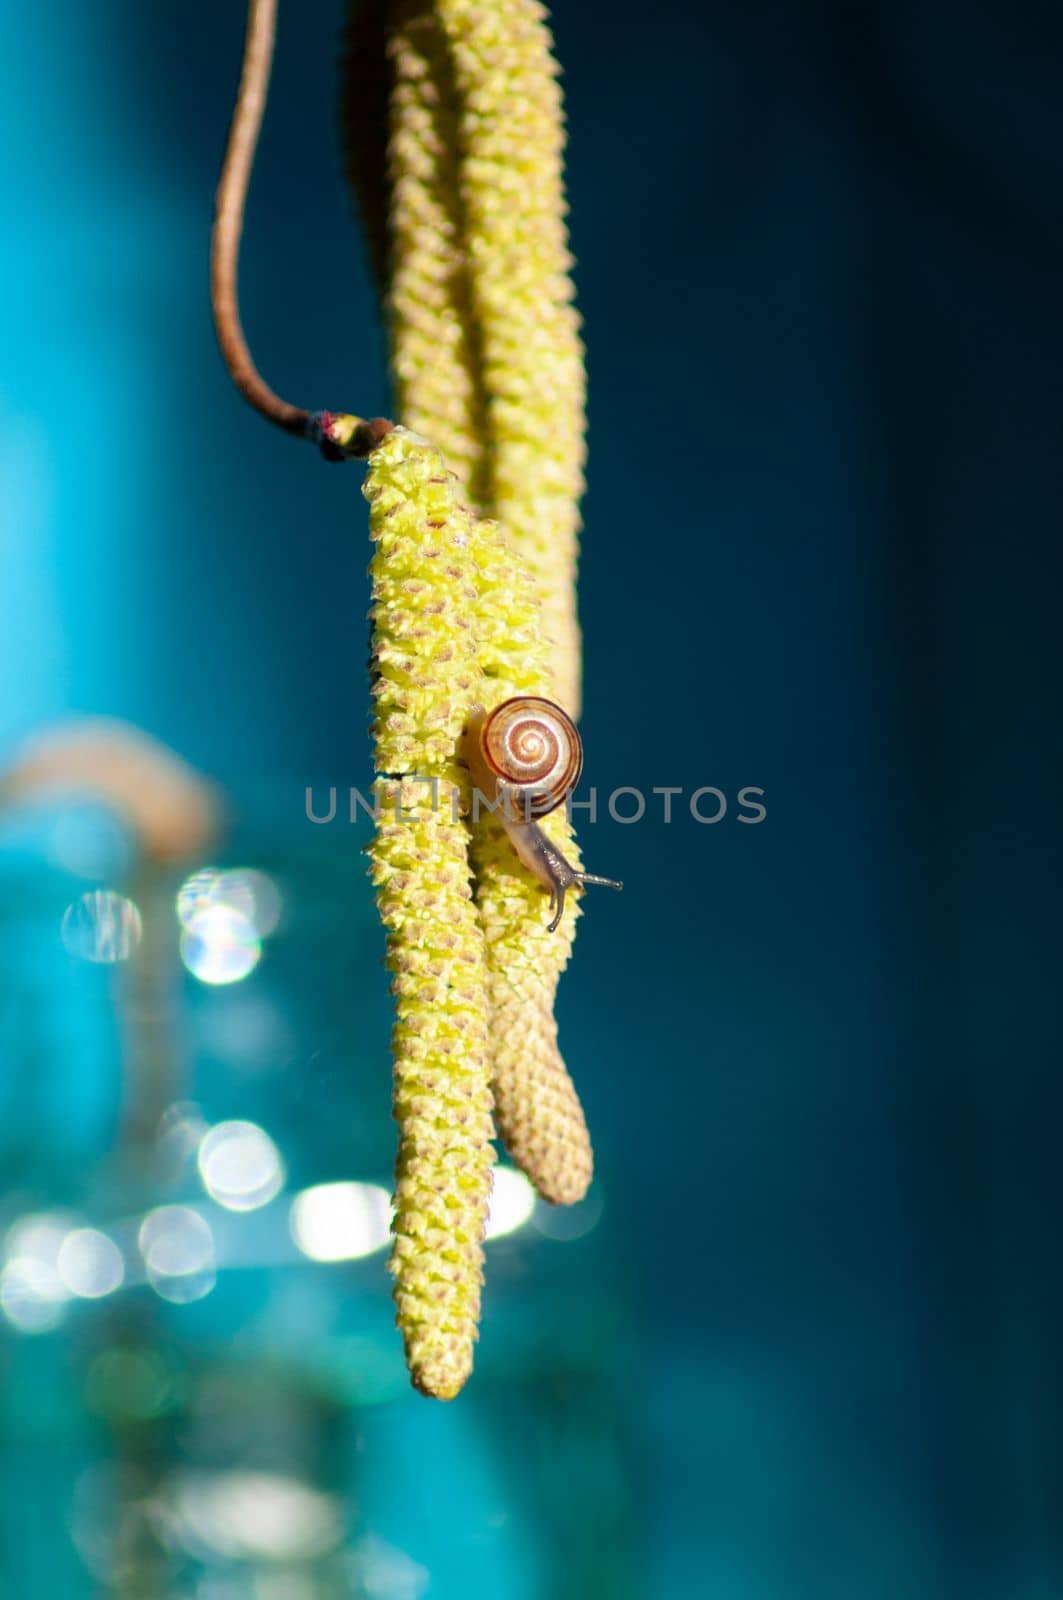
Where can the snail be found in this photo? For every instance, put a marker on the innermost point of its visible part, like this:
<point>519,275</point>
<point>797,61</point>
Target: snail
<point>525,758</point>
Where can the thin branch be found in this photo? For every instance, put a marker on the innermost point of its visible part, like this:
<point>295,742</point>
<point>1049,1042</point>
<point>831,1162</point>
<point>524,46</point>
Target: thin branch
<point>229,207</point>
<point>339,434</point>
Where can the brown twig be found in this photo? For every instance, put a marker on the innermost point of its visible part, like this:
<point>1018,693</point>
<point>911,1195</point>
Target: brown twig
<point>339,434</point>
<point>229,205</point>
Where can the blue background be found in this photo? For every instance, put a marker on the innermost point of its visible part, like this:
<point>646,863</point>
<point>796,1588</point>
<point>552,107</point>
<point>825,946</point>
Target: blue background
<point>819,261</point>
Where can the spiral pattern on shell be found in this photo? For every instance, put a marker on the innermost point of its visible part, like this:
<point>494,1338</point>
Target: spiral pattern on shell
<point>534,748</point>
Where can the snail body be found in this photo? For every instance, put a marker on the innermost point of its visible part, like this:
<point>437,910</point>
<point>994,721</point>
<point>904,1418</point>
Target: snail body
<point>525,758</point>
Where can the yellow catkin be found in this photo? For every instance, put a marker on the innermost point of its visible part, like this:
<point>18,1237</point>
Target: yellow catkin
<point>434,356</point>
<point>511,141</point>
<point>537,1109</point>
<point>426,678</point>
<point>476,194</point>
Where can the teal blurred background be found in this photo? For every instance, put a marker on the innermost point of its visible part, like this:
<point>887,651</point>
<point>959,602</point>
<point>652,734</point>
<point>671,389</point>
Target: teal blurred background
<point>808,1344</point>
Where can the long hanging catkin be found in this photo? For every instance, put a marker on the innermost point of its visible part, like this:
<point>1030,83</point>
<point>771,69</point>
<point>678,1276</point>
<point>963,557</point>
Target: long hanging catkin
<point>486,360</point>
<point>511,139</point>
<point>435,360</point>
<point>426,678</point>
<point>537,1109</point>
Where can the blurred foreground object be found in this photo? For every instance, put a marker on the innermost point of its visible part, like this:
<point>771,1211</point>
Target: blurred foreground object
<point>203,1388</point>
<point>170,807</point>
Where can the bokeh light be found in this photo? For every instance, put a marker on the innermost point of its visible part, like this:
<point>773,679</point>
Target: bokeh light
<point>101,926</point>
<point>32,1296</point>
<point>246,1515</point>
<point>512,1202</point>
<point>243,889</point>
<point>219,945</point>
<point>39,1235</point>
<point>340,1221</point>
<point>178,1250</point>
<point>240,1166</point>
<point>90,1264</point>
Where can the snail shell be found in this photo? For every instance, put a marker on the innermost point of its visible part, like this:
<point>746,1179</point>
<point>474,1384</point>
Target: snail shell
<point>533,749</point>
<point>528,754</point>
